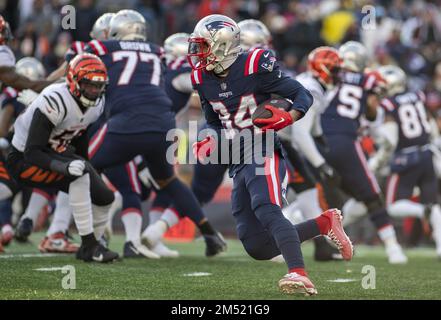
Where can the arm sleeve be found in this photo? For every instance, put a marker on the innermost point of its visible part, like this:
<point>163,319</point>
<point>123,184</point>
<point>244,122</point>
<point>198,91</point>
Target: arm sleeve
<point>301,134</point>
<point>81,145</point>
<point>211,117</point>
<point>36,150</point>
<point>273,80</point>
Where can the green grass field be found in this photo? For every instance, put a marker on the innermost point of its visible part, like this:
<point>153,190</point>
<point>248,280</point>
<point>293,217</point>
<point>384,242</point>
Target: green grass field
<point>233,275</point>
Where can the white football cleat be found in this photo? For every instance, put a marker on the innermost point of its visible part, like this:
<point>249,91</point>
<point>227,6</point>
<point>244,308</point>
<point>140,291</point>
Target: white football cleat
<point>164,251</point>
<point>293,283</point>
<point>154,233</point>
<point>395,254</point>
<point>278,259</point>
<point>137,250</point>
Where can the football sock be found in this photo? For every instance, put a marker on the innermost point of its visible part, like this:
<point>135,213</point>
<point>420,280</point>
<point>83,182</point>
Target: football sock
<point>5,212</point>
<point>79,200</point>
<point>132,220</point>
<point>387,235</point>
<point>283,232</point>
<point>170,217</point>
<point>406,208</point>
<point>308,203</point>
<point>36,203</point>
<point>100,218</point>
<point>5,192</point>
<point>185,201</point>
<point>114,208</point>
<point>206,228</point>
<point>300,271</point>
<point>380,218</point>
<point>311,228</point>
<point>88,240</point>
<point>62,215</point>
<point>435,221</point>
<point>155,214</point>
<point>352,211</point>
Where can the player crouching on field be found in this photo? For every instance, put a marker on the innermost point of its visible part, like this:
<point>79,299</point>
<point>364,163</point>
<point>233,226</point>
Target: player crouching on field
<point>49,149</point>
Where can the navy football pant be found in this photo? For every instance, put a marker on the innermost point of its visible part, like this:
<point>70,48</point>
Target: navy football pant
<point>257,197</point>
<point>347,157</point>
<point>125,179</point>
<point>422,175</point>
<point>110,149</point>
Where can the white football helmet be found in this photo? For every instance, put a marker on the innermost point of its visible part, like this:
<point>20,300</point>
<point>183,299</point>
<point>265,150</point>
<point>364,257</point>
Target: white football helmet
<point>30,68</point>
<point>253,33</point>
<point>176,46</point>
<point>100,30</point>
<point>214,44</point>
<point>395,79</point>
<point>128,25</point>
<point>354,56</point>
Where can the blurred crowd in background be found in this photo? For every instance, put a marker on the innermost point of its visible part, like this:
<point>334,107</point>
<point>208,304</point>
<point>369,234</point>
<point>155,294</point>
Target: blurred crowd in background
<point>406,32</point>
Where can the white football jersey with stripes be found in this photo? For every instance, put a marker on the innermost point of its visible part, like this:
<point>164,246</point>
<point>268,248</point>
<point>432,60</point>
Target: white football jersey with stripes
<point>7,57</point>
<point>56,102</point>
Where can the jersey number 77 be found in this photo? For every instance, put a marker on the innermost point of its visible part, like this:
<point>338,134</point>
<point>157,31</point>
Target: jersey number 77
<point>132,59</point>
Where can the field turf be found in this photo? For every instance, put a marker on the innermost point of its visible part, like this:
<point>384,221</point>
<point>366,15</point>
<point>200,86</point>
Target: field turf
<point>233,275</point>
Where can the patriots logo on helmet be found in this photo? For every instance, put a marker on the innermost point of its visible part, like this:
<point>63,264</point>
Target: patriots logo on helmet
<point>214,26</point>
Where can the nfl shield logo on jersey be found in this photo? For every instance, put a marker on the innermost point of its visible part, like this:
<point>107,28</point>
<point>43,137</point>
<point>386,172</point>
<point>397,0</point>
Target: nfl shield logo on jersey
<point>223,86</point>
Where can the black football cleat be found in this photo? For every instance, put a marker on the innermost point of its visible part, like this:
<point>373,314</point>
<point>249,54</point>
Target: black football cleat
<point>97,253</point>
<point>324,251</point>
<point>24,230</point>
<point>215,244</point>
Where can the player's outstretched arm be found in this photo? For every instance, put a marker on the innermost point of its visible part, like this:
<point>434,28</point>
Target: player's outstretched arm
<point>11,78</point>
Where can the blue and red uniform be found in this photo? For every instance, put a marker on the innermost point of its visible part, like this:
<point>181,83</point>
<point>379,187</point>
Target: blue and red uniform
<point>340,123</point>
<point>412,162</point>
<point>228,103</point>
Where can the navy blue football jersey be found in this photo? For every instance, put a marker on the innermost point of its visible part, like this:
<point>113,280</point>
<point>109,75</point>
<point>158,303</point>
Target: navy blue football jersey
<point>229,102</point>
<point>347,103</point>
<point>11,99</point>
<point>409,113</point>
<point>136,100</point>
<point>176,68</point>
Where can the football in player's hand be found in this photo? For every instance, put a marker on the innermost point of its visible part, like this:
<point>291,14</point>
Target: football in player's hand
<point>262,113</point>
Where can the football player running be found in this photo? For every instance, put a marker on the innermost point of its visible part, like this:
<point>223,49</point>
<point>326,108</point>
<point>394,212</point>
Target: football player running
<point>357,96</point>
<point>231,85</point>
<point>49,149</point>
<point>406,142</point>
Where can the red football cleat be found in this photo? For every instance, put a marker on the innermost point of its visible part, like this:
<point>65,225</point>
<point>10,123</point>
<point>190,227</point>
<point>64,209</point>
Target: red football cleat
<point>293,283</point>
<point>57,243</point>
<point>337,234</point>
<point>7,235</point>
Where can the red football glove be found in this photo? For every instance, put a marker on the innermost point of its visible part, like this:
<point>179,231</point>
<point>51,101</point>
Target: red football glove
<point>279,120</point>
<point>204,148</point>
<point>380,85</point>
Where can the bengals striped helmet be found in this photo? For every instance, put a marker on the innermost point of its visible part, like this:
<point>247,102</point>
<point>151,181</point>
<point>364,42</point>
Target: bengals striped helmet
<point>5,31</point>
<point>87,79</point>
<point>324,63</point>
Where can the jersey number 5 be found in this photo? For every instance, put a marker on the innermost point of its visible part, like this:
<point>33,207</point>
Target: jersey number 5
<point>349,98</point>
<point>132,58</point>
